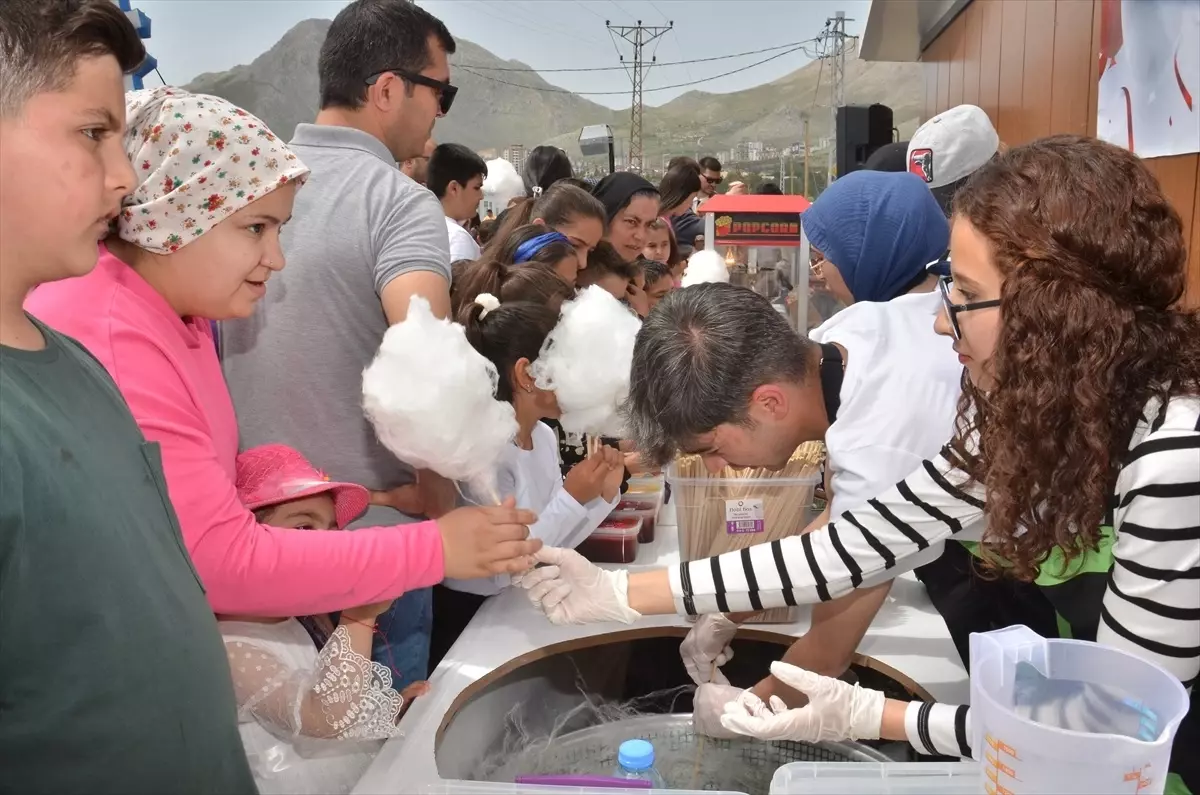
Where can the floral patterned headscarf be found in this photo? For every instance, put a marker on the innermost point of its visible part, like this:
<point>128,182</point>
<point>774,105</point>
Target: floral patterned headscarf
<point>198,160</point>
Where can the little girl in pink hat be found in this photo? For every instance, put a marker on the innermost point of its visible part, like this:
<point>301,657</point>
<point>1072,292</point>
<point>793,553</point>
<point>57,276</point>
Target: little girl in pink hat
<point>291,698</point>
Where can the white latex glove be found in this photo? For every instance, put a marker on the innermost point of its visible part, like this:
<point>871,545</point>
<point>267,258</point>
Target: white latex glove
<point>571,590</point>
<point>708,706</point>
<point>706,646</point>
<point>835,711</point>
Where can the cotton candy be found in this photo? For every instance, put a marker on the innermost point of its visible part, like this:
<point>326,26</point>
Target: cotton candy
<point>432,400</point>
<point>703,267</point>
<point>586,362</point>
<point>502,185</point>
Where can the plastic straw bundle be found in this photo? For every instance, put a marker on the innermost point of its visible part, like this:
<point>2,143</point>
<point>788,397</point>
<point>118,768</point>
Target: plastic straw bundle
<point>713,510</point>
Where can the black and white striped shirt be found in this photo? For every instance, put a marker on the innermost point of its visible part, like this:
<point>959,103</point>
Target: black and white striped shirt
<point>1151,606</point>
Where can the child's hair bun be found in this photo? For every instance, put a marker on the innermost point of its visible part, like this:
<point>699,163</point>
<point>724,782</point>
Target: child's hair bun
<point>488,302</point>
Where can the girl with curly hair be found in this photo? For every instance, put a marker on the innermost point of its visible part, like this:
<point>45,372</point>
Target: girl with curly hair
<point>1075,463</point>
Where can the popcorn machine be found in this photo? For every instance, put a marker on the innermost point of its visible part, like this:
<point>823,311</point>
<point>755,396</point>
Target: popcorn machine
<point>765,249</point>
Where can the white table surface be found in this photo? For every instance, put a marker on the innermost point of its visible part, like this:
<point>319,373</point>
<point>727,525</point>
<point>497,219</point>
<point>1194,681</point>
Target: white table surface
<point>907,634</point>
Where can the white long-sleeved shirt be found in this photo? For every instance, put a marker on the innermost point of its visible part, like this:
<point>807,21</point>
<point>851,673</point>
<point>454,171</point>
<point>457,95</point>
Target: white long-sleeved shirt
<point>534,478</point>
<point>1151,606</point>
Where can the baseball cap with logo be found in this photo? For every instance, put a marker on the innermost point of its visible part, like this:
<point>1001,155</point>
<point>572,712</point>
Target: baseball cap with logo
<point>274,473</point>
<point>952,145</point>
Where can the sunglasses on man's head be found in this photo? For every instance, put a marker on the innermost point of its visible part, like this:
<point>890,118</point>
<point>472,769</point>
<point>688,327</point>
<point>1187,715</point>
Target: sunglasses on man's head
<point>445,91</point>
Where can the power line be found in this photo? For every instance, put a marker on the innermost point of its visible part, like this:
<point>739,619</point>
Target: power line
<point>623,68</point>
<point>656,10</point>
<point>590,11</point>
<point>553,90</point>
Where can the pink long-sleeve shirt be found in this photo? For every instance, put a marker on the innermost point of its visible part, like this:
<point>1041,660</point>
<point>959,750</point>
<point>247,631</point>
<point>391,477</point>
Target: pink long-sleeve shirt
<point>168,371</point>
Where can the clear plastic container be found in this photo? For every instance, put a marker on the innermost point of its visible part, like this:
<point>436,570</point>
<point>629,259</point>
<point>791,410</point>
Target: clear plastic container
<point>642,506</point>
<point>614,541</point>
<point>1068,716</point>
<point>877,778</point>
<point>716,515</point>
<point>635,761</point>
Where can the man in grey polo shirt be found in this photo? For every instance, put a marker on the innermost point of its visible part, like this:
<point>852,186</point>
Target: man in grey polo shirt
<point>364,239</point>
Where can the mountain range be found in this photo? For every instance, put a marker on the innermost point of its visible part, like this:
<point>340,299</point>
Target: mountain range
<point>280,86</point>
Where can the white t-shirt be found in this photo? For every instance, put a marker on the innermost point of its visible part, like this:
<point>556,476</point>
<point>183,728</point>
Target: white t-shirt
<point>535,479</point>
<point>898,398</point>
<point>462,245</point>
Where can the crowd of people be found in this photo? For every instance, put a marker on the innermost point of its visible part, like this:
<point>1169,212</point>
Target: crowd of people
<point>215,578</point>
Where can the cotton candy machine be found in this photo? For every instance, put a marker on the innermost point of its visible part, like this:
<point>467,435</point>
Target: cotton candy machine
<point>567,712</point>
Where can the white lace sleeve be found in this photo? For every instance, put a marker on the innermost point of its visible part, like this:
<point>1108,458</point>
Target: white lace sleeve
<point>345,697</point>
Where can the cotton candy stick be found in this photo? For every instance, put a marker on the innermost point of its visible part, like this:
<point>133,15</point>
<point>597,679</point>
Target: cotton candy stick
<point>586,362</point>
<point>432,400</point>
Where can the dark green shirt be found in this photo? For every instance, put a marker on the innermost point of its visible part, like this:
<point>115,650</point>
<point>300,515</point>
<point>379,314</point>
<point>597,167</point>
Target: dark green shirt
<point>113,677</point>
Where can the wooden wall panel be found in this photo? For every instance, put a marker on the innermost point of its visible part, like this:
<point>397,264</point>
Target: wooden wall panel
<point>972,27</point>
<point>1033,65</point>
<point>1072,66</point>
<point>957,64</point>
<point>1193,294</point>
<point>991,23</point>
<point>1036,98</point>
<point>1009,121</point>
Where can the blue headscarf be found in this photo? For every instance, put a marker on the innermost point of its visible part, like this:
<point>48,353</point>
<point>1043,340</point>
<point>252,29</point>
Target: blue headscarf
<point>879,229</point>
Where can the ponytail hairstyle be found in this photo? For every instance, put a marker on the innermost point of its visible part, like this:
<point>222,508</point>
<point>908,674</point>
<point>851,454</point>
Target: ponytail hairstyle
<point>505,333</point>
<point>544,166</point>
<point>673,257</point>
<point>602,261</point>
<point>678,185</point>
<point>536,282</point>
<point>561,203</point>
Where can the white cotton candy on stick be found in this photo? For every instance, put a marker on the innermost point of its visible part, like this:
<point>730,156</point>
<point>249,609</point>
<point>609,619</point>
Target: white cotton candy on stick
<point>704,267</point>
<point>432,400</point>
<point>586,362</point>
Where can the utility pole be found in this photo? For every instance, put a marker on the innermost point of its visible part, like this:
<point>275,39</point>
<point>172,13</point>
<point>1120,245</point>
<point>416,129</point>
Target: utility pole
<point>639,36</point>
<point>806,155</point>
<point>835,38</point>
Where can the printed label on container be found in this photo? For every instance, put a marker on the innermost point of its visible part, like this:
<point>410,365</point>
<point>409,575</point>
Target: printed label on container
<point>744,516</point>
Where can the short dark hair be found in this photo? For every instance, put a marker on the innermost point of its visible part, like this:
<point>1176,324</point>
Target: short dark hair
<point>453,163</point>
<point>544,166</point>
<point>655,270</point>
<point>699,357</point>
<point>41,42</point>
<point>710,164</point>
<point>368,37</point>
<point>769,189</point>
<point>601,261</point>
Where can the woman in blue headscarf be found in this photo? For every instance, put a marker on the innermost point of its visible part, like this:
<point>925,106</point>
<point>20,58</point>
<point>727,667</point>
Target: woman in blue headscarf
<point>872,235</point>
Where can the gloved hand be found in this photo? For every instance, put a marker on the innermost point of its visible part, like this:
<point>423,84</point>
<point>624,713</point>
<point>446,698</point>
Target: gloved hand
<point>835,711</point>
<point>708,706</point>
<point>572,590</point>
<point>706,645</point>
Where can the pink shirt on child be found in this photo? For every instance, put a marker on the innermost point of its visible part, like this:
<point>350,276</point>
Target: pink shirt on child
<point>168,371</point>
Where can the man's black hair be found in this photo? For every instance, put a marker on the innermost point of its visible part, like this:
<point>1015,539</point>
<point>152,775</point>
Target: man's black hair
<point>369,37</point>
<point>453,163</point>
<point>710,164</point>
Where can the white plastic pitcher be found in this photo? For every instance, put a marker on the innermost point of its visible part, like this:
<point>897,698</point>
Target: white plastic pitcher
<point>1091,703</point>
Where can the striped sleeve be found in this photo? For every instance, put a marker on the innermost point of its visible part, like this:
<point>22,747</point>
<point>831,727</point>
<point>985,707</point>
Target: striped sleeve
<point>1152,604</point>
<point>887,536</point>
<point>938,729</point>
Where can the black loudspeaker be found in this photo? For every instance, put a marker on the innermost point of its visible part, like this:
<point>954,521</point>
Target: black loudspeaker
<point>861,129</point>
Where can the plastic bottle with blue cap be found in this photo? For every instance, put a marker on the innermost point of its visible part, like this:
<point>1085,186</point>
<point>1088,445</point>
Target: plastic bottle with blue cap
<point>635,761</point>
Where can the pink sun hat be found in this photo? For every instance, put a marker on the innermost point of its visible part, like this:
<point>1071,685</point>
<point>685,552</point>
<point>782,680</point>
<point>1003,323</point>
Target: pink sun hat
<point>273,473</point>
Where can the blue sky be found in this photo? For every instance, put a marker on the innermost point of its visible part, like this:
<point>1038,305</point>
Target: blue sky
<point>194,36</point>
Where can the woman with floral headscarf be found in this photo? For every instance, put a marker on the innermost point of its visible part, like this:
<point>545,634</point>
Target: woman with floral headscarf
<point>197,241</point>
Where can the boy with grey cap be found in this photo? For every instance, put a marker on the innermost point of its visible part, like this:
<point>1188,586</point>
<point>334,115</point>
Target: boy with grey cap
<point>951,146</point>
